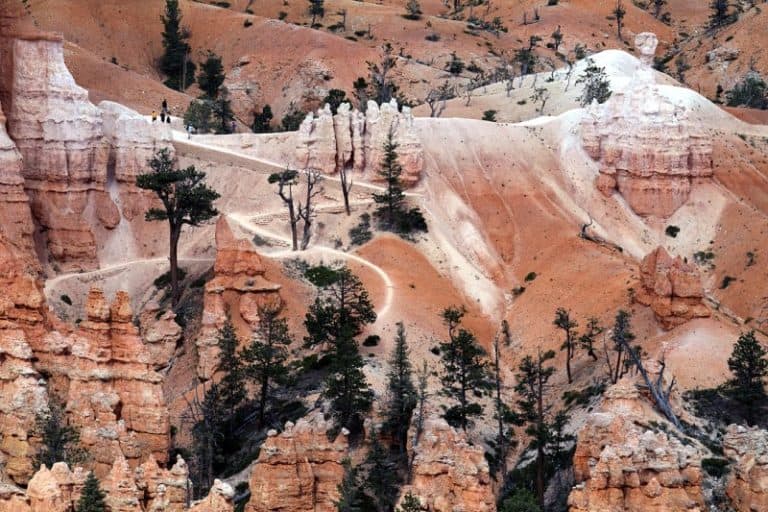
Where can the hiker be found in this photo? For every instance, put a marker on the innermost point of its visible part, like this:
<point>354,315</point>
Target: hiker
<point>168,116</point>
<point>233,127</point>
<point>165,105</point>
<point>162,116</point>
<point>154,116</point>
<point>189,130</point>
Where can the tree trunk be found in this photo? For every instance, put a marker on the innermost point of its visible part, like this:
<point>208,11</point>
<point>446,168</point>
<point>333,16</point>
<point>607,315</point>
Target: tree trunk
<point>568,356</point>
<point>618,364</point>
<point>174,261</point>
<point>294,226</point>
<point>345,188</point>
<point>540,485</point>
<point>499,411</point>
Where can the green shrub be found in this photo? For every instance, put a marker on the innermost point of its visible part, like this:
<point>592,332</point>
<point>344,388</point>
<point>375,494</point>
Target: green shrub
<point>727,280</point>
<point>490,115</point>
<point>361,233</point>
<point>372,340</point>
<point>751,92</point>
<point>530,276</point>
<point>672,231</point>
<point>66,300</point>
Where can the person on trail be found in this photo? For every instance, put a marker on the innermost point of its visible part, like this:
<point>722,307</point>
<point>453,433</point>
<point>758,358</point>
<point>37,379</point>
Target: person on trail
<point>162,116</point>
<point>233,127</point>
<point>189,130</point>
<point>154,116</point>
<point>165,105</point>
<point>168,116</point>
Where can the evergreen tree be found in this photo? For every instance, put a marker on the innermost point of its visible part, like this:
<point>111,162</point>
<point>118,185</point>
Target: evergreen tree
<point>413,10</point>
<point>267,353</point>
<point>59,442</point>
<point>597,87</point>
<point>316,8</point>
<point>400,390</point>
<point>208,435</point>
<point>619,12</point>
<point>211,76</point>
<point>563,321</point>
<point>262,120</point>
<point>749,367</point>
<point>382,481</point>
<point>720,13</point>
<point>532,378</point>
<point>465,373</point>
<point>410,503</point>
<point>199,115</point>
<point>92,497</point>
<point>587,340</point>
<point>346,386</point>
<point>340,310</point>
<point>557,38</point>
<point>232,385</point>
<point>622,337</point>
<point>186,200</point>
<point>222,111</point>
<point>175,61</point>
<point>350,491</point>
<point>391,200</point>
<point>750,92</point>
<point>337,316</point>
<point>335,98</point>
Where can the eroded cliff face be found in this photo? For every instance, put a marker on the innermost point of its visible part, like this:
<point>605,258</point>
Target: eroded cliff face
<point>148,488</point>
<point>646,147</point>
<point>449,473</point>
<point>672,288</point>
<point>299,470</point>
<point>747,485</point>
<point>79,161</point>
<point>355,141</point>
<point>621,463</point>
<point>239,288</point>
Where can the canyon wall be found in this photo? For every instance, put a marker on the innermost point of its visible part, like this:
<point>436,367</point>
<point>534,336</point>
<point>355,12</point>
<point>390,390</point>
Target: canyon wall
<point>672,288</point>
<point>646,146</point>
<point>747,485</point>
<point>354,141</point>
<point>237,291</point>
<point>624,463</point>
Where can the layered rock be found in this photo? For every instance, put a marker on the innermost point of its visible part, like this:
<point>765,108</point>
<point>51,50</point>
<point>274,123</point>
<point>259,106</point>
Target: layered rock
<point>22,393</point>
<point>646,146</point>
<point>449,473</point>
<point>238,289</point>
<point>17,226</point>
<point>672,288</point>
<point>621,464</point>
<point>299,469</point>
<point>147,489</point>
<point>354,141</point>
<point>160,334</point>
<point>747,485</point>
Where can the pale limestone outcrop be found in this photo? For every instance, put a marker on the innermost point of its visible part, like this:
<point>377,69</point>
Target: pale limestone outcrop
<point>299,469</point>
<point>448,472</point>
<point>620,464</point>
<point>355,141</point>
<point>672,288</point>
<point>646,146</point>
<point>747,485</point>
<point>239,287</point>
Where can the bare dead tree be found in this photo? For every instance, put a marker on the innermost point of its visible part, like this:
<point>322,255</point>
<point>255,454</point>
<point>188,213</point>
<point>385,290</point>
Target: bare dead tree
<point>473,84</point>
<point>541,95</point>
<point>306,211</point>
<point>659,394</point>
<point>286,180</point>
<point>437,98</point>
<point>346,186</point>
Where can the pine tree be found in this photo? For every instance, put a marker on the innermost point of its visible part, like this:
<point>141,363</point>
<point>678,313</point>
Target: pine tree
<point>563,321</point>
<point>391,200</point>
<point>175,61</point>
<point>413,10</point>
<point>532,378</point>
<point>400,390</point>
<point>587,340</point>
<point>381,481</point>
<point>267,353</point>
<point>619,12</point>
<point>186,199</point>
<point>346,386</point>
<point>350,491</point>
<point>465,373</point>
<point>316,8</point>
<point>749,367</point>
<point>92,497</point>
<point>222,111</point>
<point>720,13</point>
<point>597,87</point>
<point>211,76</point>
<point>410,503</point>
<point>622,337</point>
<point>232,385</point>
<point>59,442</point>
<point>262,120</point>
